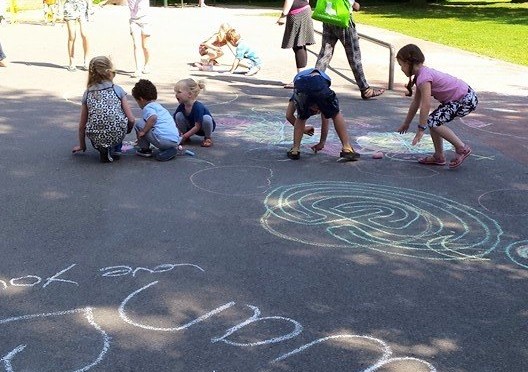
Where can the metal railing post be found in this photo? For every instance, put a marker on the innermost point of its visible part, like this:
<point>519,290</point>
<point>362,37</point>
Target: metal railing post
<point>391,56</point>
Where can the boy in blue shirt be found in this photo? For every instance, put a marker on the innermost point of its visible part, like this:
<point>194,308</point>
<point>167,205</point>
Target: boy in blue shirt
<point>312,95</point>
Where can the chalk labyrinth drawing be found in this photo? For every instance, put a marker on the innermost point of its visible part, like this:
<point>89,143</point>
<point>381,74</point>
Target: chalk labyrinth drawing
<point>387,219</point>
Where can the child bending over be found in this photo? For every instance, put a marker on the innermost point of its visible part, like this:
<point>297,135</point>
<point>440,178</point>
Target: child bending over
<point>191,116</point>
<point>211,49</point>
<point>243,52</point>
<point>156,126</point>
<point>312,95</point>
<point>456,99</point>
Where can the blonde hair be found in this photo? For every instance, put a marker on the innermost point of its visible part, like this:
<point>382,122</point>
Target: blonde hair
<point>222,32</point>
<point>99,70</point>
<point>232,37</point>
<point>193,86</point>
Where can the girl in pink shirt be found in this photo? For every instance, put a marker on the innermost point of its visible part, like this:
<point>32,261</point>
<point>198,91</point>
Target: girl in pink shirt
<point>456,99</point>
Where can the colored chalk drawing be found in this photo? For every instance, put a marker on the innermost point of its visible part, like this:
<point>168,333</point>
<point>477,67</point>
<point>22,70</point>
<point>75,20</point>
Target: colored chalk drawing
<point>264,127</point>
<point>273,130</point>
<point>518,253</point>
<point>477,124</point>
<point>392,142</point>
<point>387,219</point>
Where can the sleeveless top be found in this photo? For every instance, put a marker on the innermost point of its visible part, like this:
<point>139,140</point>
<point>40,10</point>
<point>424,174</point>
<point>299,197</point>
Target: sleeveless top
<point>107,123</point>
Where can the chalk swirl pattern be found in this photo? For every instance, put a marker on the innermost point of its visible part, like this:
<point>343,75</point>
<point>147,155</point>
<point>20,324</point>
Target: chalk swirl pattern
<point>392,220</point>
<point>518,253</point>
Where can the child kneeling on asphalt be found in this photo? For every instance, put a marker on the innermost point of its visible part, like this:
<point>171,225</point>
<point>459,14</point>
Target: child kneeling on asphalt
<point>312,95</point>
<point>156,126</point>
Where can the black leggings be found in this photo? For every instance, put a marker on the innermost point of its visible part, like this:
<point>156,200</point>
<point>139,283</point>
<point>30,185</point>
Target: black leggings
<point>301,56</point>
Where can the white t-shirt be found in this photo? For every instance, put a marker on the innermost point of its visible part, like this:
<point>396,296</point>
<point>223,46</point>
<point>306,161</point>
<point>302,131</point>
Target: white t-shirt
<point>164,127</point>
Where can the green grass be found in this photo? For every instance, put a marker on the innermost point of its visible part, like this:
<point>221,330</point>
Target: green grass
<point>491,28</point>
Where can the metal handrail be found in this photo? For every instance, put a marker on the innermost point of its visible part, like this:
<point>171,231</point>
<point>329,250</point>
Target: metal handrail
<point>391,55</point>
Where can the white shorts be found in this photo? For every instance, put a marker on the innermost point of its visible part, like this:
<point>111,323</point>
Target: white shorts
<point>141,26</point>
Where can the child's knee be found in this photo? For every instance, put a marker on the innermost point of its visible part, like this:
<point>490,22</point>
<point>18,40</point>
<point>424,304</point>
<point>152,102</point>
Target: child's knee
<point>139,125</point>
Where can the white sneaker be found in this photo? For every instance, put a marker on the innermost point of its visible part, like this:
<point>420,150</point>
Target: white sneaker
<point>253,70</point>
<point>145,70</point>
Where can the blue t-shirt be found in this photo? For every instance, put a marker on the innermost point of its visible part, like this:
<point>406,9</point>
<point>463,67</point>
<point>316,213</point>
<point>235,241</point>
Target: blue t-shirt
<point>197,113</point>
<point>308,72</point>
<point>164,127</point>
<point>245,51</point>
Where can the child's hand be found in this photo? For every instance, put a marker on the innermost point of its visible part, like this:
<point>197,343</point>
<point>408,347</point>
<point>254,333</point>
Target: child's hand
<point>309,130</point>
<point>318,147</point>
<point>77,149</point>
<point>403,128</point>
<point>418,136</point>
<point>140,134</point>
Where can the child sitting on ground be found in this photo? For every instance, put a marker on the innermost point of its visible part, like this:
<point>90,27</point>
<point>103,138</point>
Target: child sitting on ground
<point>312,95</point>
<point>191,116</point>
<point>156,126</point>
<point>243,52</point>
<point>106,116</point>
<point>456,98</point>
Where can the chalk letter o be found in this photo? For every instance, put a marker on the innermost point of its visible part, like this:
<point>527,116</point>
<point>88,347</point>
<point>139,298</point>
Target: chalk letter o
<point>14,281</point>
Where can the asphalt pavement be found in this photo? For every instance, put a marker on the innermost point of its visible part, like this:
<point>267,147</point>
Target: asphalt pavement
<point>237,258</point>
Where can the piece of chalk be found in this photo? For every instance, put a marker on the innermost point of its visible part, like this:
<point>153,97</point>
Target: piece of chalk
<point>189,152</point>
<point>377,155</point>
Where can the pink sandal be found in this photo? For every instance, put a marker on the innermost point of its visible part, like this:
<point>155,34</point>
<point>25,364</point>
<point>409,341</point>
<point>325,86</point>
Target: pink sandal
<point>461,155</point>
<point>431,160</point>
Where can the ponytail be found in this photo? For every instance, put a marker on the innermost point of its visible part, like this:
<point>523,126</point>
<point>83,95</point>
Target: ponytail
<point>411,54</point>
<point>409,86</point>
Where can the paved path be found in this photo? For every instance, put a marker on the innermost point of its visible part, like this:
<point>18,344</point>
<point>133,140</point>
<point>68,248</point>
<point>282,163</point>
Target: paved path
<point>238,259</point>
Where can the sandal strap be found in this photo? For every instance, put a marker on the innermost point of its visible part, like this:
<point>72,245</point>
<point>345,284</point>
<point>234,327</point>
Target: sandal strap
<point>371,93</point>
